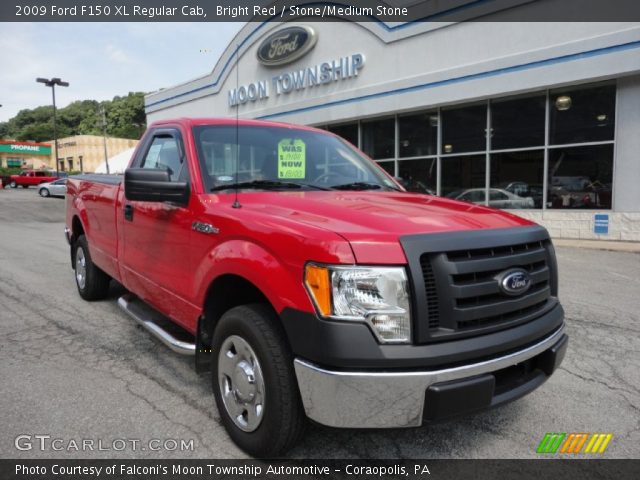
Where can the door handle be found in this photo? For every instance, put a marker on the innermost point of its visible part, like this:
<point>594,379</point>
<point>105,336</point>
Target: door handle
<point>128,212</point>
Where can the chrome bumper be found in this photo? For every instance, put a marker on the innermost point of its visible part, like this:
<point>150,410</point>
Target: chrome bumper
<point>388,399</point>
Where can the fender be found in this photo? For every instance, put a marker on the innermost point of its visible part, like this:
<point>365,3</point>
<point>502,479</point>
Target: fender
<point>99,256</point>
<point>257,265</point>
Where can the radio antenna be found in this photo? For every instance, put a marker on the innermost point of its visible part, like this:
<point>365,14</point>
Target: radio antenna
<point>236,203</point>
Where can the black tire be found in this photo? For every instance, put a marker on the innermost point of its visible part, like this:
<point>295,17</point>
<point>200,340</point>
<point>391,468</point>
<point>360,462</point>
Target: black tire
<point>96,283</point>
<point>25,186</point>
<point>283,421</point>
<point>44,192</point>
<point>13,184</point>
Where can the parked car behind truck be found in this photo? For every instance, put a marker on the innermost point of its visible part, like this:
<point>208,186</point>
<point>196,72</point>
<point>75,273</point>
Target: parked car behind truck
<point>28,178</point>
<point>310,284</point>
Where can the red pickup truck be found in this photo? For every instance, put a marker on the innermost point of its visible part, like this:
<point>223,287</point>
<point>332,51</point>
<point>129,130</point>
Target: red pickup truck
<point>29,178</point>
<point>310,284</point>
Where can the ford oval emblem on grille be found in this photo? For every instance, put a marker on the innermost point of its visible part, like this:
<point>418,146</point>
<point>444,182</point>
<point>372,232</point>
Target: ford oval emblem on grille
<point>514,282</point>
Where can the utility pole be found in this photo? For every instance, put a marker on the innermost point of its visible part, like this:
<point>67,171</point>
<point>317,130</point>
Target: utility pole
<point>104,136</point>
<point>52,83</point>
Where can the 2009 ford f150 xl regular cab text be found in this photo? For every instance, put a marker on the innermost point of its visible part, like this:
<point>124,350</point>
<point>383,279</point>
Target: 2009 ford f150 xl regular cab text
<point>310,284</point>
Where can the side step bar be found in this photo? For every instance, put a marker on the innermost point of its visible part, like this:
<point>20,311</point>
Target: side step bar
<point>148,318</point>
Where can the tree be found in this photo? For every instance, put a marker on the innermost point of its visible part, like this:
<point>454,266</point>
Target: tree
<point>125,119</point>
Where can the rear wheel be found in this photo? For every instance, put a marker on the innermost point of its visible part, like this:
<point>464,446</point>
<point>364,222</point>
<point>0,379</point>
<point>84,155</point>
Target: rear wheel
<point>44,192</point>
<point>92,283</point>
<point>254,383</point>
<point>25,186</point>
<point>13,184</point>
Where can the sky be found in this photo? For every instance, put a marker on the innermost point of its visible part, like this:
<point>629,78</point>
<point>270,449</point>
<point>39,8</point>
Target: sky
<point>102,60</point>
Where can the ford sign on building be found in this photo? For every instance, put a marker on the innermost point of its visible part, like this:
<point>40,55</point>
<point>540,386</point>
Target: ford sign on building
<point>537,118</point>
<point>286,45</point>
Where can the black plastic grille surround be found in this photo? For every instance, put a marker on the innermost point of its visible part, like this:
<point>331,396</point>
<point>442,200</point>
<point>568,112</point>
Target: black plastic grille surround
<point>456,293</point>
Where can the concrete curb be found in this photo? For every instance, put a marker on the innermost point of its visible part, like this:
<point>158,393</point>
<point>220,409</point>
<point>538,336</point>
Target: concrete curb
<point>633,247</point>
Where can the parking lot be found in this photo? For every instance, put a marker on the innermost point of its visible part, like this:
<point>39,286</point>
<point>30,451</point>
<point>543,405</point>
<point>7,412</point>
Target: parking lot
<point>76,370</point>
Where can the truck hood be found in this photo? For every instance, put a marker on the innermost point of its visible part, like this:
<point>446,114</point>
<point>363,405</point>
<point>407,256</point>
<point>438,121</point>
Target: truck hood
<point>372,222</point>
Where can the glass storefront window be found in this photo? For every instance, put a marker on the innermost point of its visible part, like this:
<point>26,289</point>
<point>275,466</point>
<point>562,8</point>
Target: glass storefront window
<point>419,176</point>
<point>517,123</point>
<point>418,134</point>
<point>524,129</point>
<point>517,178</point>
<point>463,129</point>
<point>378,138</point>
<point>390,167</point>
<point>461,175</point>
<point>582,115</point>
<point>347,131</point>
<point>580,177</point>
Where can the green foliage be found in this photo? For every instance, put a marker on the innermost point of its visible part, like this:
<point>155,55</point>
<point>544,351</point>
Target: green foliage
<point>125,119</point>
<point>6,171</point>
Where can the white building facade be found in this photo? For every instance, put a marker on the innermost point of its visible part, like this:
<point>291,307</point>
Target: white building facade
<point>539,118</point>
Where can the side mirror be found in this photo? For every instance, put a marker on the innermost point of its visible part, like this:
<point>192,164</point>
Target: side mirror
<point>154,185</point>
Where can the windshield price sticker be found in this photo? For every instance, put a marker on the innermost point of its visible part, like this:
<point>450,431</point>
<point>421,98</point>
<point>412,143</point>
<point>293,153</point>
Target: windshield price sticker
<point>291,158</point>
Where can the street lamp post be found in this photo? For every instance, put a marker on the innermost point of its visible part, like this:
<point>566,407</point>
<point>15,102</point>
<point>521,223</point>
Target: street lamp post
<point>52,83</point>
<point>104,136</point>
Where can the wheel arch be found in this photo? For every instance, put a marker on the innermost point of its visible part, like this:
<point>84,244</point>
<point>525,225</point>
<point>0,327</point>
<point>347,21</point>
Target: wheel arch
<point>225,292</point>
<point>77,229</point>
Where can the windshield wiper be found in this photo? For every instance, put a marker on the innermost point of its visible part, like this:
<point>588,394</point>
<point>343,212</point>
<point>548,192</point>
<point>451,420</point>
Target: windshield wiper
<point>359,186</point>
<point>266,185</point>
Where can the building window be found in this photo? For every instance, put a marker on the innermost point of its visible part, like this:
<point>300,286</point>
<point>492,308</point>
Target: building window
<point>418,135</point>
<point>518,122</point>
<point>70,162</point>
<point>463,129</point>
<point>347,131</point>
<point>420,176</point>
<point>519,177</point>
<point>14,162</point>
<point>570,130</point>
<point>81,165</point>
<point>378,138</point>
<point>389,167</point>
<point>582,115</point>
<point>580,177</point>
<point>462,177</point>
<point>61,163</point>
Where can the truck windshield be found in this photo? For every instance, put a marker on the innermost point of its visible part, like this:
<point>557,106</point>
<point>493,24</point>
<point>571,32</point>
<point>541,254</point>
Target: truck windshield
<point>277,158</point>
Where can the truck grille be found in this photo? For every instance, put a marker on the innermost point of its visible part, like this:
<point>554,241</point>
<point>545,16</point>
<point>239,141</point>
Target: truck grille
<point>457,293</point>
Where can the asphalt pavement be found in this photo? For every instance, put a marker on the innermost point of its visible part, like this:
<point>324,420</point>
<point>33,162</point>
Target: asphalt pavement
<point>75,371</point>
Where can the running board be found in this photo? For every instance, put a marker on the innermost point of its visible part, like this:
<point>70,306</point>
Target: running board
<point>149,319</point>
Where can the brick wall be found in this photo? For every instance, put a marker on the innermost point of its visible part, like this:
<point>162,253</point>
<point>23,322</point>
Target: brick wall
<point>579,225</point>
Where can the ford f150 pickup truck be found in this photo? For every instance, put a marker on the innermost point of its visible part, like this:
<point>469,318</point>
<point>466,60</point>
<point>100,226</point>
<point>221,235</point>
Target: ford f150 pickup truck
<point>310,284</point>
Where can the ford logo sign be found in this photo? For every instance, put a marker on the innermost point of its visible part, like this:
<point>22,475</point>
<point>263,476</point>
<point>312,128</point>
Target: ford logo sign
<point>515,281</point>
<point>286,45</point>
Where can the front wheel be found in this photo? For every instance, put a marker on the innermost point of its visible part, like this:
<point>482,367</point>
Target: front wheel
<point>254,383</point>
<point>13,184</point>
<point>92,283</point>
<point>25,186</point>
<point>44,192</point>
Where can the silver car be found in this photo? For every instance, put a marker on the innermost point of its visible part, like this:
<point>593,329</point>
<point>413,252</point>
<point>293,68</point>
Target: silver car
<point>53,189</point>
<point>498,198</point>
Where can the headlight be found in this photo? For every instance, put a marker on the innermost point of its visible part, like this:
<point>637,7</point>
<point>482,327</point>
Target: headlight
<point>378,296</point>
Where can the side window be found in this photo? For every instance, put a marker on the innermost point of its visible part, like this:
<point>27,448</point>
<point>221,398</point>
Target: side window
<point>164,153</point>
<point>496,195</point>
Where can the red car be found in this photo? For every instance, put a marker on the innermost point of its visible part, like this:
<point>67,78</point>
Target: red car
<point>30,178</point>
<point>310,284</point>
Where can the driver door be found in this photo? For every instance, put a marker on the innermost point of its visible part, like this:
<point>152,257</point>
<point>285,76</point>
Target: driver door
<point>156,235</point>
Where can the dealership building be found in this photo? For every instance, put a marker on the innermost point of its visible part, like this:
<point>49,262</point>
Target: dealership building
<point>542,119</point>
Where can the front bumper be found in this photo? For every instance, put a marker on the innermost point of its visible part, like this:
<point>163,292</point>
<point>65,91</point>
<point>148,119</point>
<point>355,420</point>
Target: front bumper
<point>370,399</point>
